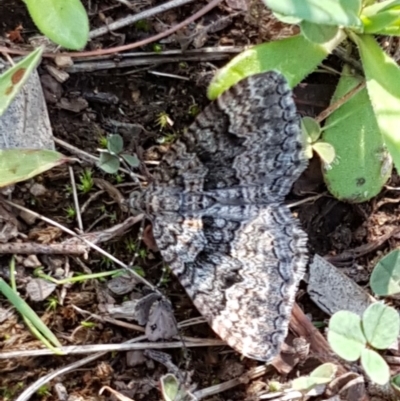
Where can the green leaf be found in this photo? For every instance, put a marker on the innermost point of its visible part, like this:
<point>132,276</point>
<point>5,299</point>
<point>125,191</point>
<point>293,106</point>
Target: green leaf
<point>287,20</point>
<point>108,163</point>
<point>385,278</point>
<point>65,22</point>
<point>325,151</point>
<point>381,22</point>
<point>321,375</point>
<point>115,144</point>
<point>345,335</point>
<point>392,30</point>
<point>375,366</point>
<point>132,160</point>
<point>328,12</point>
<point>311,128</point>
<point>21,164</point>
<point>15,77</point>
<point>357,173</point>
<point>294,57</point>
<point>378,7</point>
<point>318,33</point>
<point>381,324</point>
<point>395,382</point>
<point>172,390</point>
<point>27,312</point>
<point>169,387</point>
<point>383,84</point>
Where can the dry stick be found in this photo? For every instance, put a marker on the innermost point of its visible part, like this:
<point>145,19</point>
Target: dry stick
<point>194,17</point>
<point>34,248</point>
<point>131,19</point>
<point>70,246</point>
<point>252,374</point>
<point>99,65</point>
<point>204,51</point>
<point>76,201</point>
<point>190,52</point>
<point>126,346</point>
<point>28,392</point>
<point>306,200</point>
<point>333,107</point>
<point>130,326</point>
<point>164,74</point>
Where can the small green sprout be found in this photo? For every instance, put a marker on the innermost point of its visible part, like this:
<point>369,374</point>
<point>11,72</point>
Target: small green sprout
<point>194,110</point>
<point>130,245</point>
<point>167,139</point>
<point>52,303</point>
<point>103,141</point>
<point>142,25</point>
<point>111,159</point>
<point>142,253</point>
<point>163,120</point>
<point>119,178</point>
<point>43,391</point>
<point>157,48</point>
<point>88,325</point>
<point>86,181</point>
<point>71,212</point>
<point>312,137</point>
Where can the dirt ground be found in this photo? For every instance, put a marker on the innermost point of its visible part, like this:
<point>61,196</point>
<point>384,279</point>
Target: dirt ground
<point>155,103</point>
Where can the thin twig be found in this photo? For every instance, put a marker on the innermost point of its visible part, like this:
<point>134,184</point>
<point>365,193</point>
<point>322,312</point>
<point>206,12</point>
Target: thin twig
<point>212,4</point>
<point>76,201</point>
<point>34,387</point>
<point>34,248</point>
<point>87,349</point>
<point>98,65</point>
<point>252,374</point>
<point>333,107</point>
<point>167,75</point>
<point>306,200</point>
<point>131,19</point>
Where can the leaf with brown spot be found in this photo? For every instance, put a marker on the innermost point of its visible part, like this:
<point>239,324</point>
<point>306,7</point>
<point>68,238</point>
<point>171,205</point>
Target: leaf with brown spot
<point>9,90</point>
<point>18,75</point>
<point>15,77</point>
